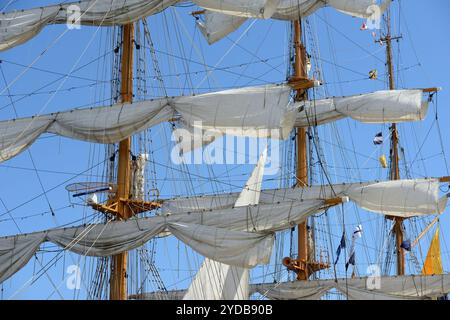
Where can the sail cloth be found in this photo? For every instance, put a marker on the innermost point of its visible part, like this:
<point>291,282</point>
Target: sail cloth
<point>218,281</point>
<point>403,198</point>
<point>391,288</point>
<point>412,287</point>
<point>225,16</point>
<point>241,237</point>
<point>433,262</point>
<point>260,111</point>
<point>377,107</point>
<point>20,26</point>
<point>232,247</point>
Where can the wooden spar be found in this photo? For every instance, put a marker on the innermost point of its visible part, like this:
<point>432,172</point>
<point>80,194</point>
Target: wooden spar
<point>302,161</point>
<point>394,170</point>
<point>118,281</point>
<point>444,179</point>
<point>303,266</point>
<point>424,231</point>
<point>197,13</point>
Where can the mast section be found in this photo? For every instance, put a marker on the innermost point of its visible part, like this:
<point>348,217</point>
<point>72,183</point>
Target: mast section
<point>118,282</point>
<point>304,265</point>
<point>302,161</point>
<point>394,173</point>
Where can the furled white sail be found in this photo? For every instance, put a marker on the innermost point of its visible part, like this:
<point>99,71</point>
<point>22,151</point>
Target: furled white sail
<point>101,125</point>
<point>218,21</point>
<point>218,281</point>
<point>267,197</point>
<point>416,287</point>
<point>247,111</point>
<point>19,26</point>
<point>411,287</point>
<point>288,9</point>
<point>262,9</point>
<point>404,198</point>
<point>245,249</point>
<point>241,236</point>
<point>260,111</point>
<point>297,290</point>
<point>377,107</point>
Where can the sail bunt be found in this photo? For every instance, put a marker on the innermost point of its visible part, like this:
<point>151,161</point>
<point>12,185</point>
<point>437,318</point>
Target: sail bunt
<point>20,26</point>
<point>223,17</point>
<point>251,111</point>
<point>377,107</point>
<point>402,198</point>
<point>262,111</point>
<point>410,287</point>
<point>245,234</point>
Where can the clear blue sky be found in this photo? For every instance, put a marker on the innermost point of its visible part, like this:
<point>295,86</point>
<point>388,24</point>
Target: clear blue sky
<point>347,55</point>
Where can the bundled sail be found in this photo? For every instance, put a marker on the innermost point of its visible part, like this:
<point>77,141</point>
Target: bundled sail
<point>262,111</point>
<point>223,17</point>
<point>403,198</point>
<point>413,287</point>
<point>377,107</point>
<point>18,27</point>
<point>391,288</point>
<point>245,234</point>
<point>252,111</point>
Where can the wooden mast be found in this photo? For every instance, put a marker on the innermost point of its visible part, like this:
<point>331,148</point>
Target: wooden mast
<point>302,161</point>
<point>394,158</point>
<point>303,265</point>
<point>118,282</point>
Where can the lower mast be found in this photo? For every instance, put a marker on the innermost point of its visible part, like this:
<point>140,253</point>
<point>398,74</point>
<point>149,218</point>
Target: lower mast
<point>304,265</point>
<point>394,173</point>
<point>118,281</point>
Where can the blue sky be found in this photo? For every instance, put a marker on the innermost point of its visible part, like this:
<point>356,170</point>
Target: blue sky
<point>259,56</point>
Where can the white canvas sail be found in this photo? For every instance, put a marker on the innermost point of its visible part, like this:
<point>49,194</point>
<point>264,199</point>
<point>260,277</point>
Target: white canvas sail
<point>245,233</point>
<point>241,236</point>
<point>220,20</point>
<point>404,198</point>
<point>378,107</point>
<point>251,111</point>
<point>245,249</point>
<point>415,287</point>
<point>20,26</point>
<point>218,281</point>
<point>262,111</point>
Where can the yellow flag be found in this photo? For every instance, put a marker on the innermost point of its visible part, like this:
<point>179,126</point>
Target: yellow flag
<point>383,161</point>
<point>433,262</point>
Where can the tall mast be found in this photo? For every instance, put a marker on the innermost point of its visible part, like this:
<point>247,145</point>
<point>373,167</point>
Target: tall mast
<point>394,159</point>
<point>303,265</point>
<point>118,284</point>
<point>302,161</point>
